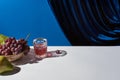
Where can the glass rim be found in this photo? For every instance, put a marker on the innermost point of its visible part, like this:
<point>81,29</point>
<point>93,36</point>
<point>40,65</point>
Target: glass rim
<point>39,38</point>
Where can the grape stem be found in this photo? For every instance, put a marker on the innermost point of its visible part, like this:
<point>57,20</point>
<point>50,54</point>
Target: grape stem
<point>27,37</point>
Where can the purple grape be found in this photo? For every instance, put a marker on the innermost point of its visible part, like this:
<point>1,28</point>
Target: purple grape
<point>7,44</point>
<point>13,46</point>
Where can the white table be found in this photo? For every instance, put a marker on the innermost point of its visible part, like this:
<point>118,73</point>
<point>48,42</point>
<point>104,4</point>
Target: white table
<point>80,63</point>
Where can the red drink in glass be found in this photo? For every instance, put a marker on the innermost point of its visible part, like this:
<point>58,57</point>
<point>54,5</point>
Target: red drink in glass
<point>40,47</point>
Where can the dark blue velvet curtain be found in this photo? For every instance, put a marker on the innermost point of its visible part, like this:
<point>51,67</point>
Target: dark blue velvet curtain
<point>89,22</point>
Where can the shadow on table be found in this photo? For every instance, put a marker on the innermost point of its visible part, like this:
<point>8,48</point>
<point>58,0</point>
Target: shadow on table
<point>30,57</point>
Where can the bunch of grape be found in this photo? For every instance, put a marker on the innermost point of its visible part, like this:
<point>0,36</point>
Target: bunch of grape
<point>13,46</point>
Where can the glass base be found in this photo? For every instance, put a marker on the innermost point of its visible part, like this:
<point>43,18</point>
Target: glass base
<point>41,56</point>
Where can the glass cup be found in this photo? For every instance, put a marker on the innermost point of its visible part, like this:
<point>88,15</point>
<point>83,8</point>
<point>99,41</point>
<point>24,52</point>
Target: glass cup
<point>40,47</point>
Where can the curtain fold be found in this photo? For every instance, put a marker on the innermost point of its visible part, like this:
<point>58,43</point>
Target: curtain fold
<point>89,22</point>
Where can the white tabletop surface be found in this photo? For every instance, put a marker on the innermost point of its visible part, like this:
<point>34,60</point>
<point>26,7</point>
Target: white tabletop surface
<point>80,63</point>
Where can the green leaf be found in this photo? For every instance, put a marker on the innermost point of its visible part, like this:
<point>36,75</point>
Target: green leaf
<point>2,39</point>
<point>5,65</point>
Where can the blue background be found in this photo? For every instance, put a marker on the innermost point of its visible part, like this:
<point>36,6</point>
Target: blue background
<point>20,17</point>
